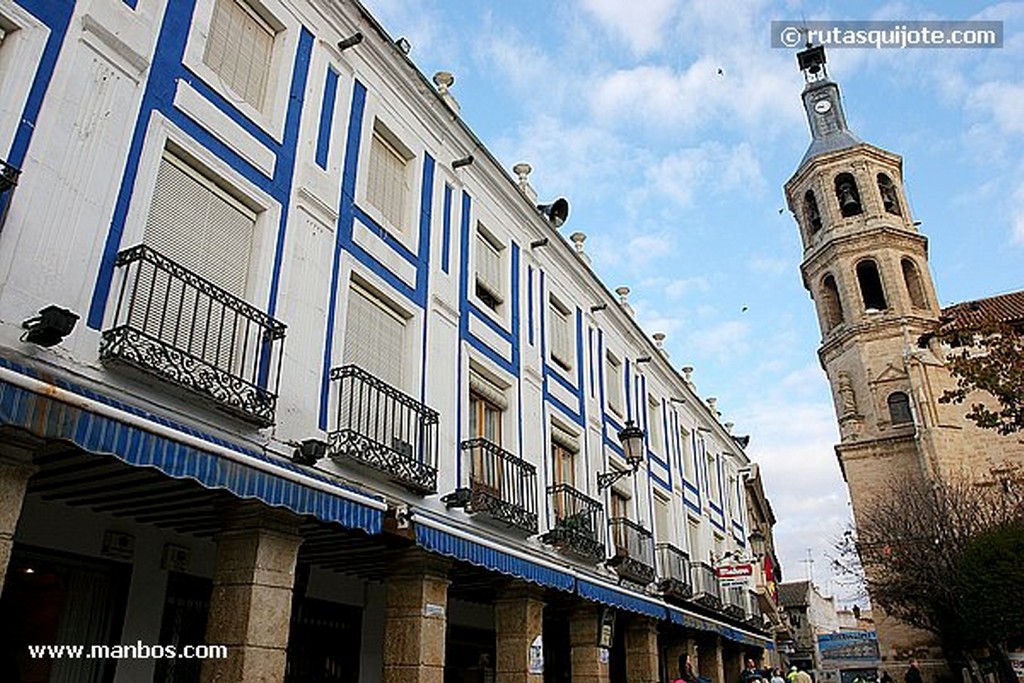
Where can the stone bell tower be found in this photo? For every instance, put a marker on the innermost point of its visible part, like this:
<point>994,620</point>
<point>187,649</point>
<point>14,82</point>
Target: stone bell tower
<point>865,265</point>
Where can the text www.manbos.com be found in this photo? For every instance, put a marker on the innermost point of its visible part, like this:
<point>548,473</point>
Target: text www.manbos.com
<point>136,651</point>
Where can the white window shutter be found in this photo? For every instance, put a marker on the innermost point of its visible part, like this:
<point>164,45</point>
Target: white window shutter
<point>374,337</point>
<point>386,186</point>
<point>239,49</point>
<point>562,346</point>
<point>488,267</point>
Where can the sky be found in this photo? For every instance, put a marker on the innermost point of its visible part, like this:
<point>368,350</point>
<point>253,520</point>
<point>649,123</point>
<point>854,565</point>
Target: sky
<point>671,127</point>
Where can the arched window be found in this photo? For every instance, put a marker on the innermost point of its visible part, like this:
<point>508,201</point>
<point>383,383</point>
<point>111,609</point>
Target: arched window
<point>912,279</point>
<point>831,305</point>
<point>848,195</point>
<point>811,213</point>
<point>871,286</point>
<point>899,408</point>
<point>890,199</point>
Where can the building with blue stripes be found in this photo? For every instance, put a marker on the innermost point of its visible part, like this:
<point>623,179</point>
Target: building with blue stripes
<point>290,363</point>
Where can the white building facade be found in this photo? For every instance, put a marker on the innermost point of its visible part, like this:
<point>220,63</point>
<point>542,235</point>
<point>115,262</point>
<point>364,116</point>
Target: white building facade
<point>289,363</point>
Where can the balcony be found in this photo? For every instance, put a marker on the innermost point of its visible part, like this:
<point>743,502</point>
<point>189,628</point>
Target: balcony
<point>706,590</point>
<point>735,599</point>
<point>177,326</point>
<point>673,573</point>
<point>578,521</point>
<point>380,428</point>
<point>502,487</point>
<point>8,176</point>
<point>633,559</point>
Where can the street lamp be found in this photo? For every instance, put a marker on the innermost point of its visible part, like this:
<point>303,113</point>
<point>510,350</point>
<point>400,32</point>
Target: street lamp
<point>632,439</point>
<point>756,539</point>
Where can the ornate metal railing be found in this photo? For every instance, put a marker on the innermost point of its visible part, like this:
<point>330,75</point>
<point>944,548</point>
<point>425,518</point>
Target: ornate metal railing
<point>380,427</point>
<point>578,523</point>
<point>735,601</point>
<point>174,324</point>
<point>706,589</point>
<point>673,572</point>
<point>8,176</point>
<point>501,485</point>
<point>632,551</point>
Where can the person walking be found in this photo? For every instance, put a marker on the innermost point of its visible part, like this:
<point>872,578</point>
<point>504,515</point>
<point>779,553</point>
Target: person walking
<point>802,677</point>
<point>686,672</point>
<point>750,673</point>
<point>913,674</point>
<point>777,676</point>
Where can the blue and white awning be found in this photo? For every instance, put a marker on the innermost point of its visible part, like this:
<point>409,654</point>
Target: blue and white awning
<point>632,602</point>
<point>59,414</point>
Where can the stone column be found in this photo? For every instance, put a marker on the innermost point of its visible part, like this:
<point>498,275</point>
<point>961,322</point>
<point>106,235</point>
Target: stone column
<point>710,658</point>
<point>15,470</point>
<point>518,621</point>
<point>251,604</point>
<point>588,664</point>
<point>416,619</point>
<point>642,650</point>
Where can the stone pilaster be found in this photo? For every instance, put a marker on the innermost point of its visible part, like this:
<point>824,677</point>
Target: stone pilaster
<point>588,664</point>
<point>415,619</point>
<point>518,620</point>
<point>709,657</point>
<point>251,604</point>
<point>15,470</point>
<point>642,650</point>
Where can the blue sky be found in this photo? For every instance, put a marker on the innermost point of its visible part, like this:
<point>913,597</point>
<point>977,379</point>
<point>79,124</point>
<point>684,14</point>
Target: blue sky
<point>671,126</point>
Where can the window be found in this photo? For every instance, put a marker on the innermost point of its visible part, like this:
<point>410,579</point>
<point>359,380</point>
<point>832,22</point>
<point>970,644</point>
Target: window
<point>890,199</point>
<point>375,336</point>
<point>831,306</point>
<point>484,419</point>
<point>912,279</point>
<point>848,195</point>
<point>563,343</point>
<point>693,538</point>
<point>613,383</point>
<point>655,427</point>
<point>196,223</point>
<point>686,454</point>
<point>564,447</point>
<point>732,498</point>
<point>662,520</point>
<point>389,176</point>
<point>239,49</point>
<point>489,270</point>
<point>713,489</point>
<point>811,213</point>
<point>619,509</point>
<point>871,286</point>
<point>899,408</point>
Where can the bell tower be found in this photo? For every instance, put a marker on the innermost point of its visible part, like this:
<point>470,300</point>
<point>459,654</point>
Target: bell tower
<point>865,265</point>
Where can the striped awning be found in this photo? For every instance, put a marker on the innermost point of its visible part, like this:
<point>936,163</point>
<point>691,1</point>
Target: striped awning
<point>618,598</point>
<point>253,474</point>
<point>463,549</point>
<point>699,623</point>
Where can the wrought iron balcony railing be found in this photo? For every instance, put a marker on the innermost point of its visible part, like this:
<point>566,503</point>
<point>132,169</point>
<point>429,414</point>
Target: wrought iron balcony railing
<point>379,427</point>
<point>633,551</point>
<point>706,589</point>
<point>578,523</point>
<point>735,601</point>
<point>502,486</point>
<point>673,572</point>
<point>174,324</point>
<point>8,176</point>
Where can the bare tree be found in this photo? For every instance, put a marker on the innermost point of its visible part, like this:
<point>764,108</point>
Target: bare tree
<point>917,547</point>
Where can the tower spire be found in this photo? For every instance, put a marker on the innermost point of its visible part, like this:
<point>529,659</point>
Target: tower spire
<point>823,106</point>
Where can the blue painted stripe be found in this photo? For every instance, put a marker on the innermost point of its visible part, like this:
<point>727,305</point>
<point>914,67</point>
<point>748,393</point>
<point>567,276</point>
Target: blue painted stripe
<point>566,410</point>
<point>323,140</point>
<point>529,305</point>
<point>51,419</point>
<point>664,484</point>
<point>616,598</point>
<point>439,541</point>
<point>446,228</point>
<point>389,239</point>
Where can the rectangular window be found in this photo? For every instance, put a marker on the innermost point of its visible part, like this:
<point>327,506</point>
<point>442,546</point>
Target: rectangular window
<point>693,538</point>
<point>619,509</point>
<point>563,346</point>
<point>655,428</point>
<point>563,465</point>
<point>686,454</point>
<point>194,222</point>
<point>489,269</point>
<point>732,498</point>
<point>374,336</point>
<point>713,485</point>
<point>485,423</point>
<point>613,383</point>
<point>662,520</point>
<point>388,177</point>
<point>239,49</point>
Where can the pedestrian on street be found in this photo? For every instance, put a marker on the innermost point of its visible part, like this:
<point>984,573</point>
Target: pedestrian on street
<point>777,676</point>
<point>804,677</point>
<point>750,673</point>
<point>686,673</point>
<point>913,674</point>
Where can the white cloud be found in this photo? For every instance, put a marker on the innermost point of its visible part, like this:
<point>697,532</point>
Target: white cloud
<point>721,340</point>
<point>770,265</point>
<point>642,28</point>
<point>1017,227</point>
<point>1003,102</point>
<point>707,170</point>
<point>679,288</point>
